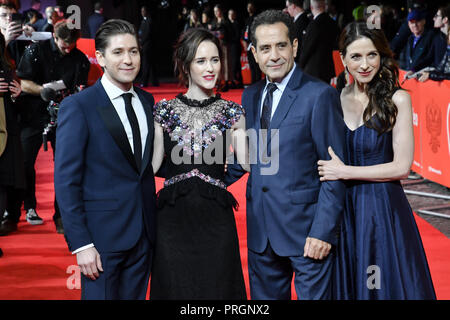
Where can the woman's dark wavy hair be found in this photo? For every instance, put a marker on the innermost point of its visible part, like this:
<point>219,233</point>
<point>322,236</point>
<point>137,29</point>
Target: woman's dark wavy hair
<point>186,48</point>
<point>384,84</point>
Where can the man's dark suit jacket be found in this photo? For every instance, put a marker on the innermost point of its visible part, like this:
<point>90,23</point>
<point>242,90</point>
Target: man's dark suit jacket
<point>427,52</point>
<point>145,32</point>
<point>94,22</point>
<point>286,206</point>
<point>300,29</point>
<point>316,55</point>
<point>103,196</point>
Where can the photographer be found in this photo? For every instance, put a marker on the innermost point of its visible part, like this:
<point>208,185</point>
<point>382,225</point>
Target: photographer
<point>44,62</point>
<point>12,177</point>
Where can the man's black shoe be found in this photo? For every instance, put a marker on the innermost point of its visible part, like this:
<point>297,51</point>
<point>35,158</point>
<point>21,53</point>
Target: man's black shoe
<point>7,226</point>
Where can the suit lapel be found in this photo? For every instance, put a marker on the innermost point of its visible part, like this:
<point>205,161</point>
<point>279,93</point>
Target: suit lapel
<point>283,107</point>
<point>257,96</point>
<point>149,142</point>
<point>113,124</point>
<point>286,101</point>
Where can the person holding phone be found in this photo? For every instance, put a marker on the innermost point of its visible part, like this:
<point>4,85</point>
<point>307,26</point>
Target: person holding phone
<point>12,173</point>
<point>10,28</point>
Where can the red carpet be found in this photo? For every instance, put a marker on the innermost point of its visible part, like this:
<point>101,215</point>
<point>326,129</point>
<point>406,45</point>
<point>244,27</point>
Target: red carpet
<point>37,264</point>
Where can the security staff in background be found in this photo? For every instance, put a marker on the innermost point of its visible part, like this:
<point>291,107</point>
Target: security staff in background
<point>44,62</point>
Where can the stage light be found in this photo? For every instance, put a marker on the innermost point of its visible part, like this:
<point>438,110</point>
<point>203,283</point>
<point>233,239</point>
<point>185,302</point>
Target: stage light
<point>202,2</point>
<point>164,4</point>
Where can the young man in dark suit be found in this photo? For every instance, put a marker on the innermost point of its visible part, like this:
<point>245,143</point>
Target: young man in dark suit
<point>104,179</point>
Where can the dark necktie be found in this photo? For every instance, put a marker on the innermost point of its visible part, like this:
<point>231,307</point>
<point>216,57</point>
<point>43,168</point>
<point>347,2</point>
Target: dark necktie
<point>266,113</point>
<point>134,128</point>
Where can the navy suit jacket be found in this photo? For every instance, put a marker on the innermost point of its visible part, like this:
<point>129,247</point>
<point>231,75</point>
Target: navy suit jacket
<point>300,29</point>
<point>292,204</point>
<point>102,196</point>
<point>94,22</point>
<point>428,52</point>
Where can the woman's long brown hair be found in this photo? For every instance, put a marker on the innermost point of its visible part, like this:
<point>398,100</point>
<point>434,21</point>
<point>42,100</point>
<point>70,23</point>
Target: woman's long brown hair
<point>384,84</point>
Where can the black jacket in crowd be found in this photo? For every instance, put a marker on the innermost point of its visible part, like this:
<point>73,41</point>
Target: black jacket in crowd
<point>428,52</point>
<point>316,54</point>
<point>300,29</point>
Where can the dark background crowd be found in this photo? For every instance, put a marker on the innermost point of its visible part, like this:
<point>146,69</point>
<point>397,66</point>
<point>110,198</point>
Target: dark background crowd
<point>170,17</point>
<point>418,32</point>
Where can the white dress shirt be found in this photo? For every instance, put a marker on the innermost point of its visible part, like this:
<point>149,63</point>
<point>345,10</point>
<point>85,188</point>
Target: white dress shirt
<point>298,16</point>
<point>115,95</point>
<point>317,15</point>
<point>278,92</point>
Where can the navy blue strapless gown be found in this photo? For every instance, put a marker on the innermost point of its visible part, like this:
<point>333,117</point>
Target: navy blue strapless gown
<point>380,255</point>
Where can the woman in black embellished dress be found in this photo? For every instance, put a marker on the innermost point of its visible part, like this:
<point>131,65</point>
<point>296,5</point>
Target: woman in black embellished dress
<point>197,248</point>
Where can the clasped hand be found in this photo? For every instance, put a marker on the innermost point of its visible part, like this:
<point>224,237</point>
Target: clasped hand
<point>316,249</point>
<point>13,87</point>
<point>331,169</point>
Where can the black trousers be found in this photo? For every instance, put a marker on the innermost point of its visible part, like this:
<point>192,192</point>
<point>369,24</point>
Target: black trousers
<point>2,200</point>
<point>148,74</point>
<point>31,144</point>
<point>236,69</point>
<point>125,274</point>
<point>11,201</point>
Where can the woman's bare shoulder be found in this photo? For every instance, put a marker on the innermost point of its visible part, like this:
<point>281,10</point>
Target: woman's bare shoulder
<point>401,98</point>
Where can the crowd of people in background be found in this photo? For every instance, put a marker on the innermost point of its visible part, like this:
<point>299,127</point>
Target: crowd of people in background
<point>418,37</point>
<point>28,67</point>
<point>420,40</point>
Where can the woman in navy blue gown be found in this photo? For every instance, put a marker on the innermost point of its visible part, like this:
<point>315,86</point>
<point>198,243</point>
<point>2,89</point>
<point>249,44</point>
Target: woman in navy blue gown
<point>380,255</point>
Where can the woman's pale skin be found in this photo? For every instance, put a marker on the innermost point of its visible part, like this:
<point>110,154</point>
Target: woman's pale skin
<point>363,62</point>
<point>203,75</point>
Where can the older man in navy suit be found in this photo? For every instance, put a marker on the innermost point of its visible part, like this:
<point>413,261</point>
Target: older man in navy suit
<point>104,179</point>
<point>292,217</point>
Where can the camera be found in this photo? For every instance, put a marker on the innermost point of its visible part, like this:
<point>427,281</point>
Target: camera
<point>53,98</point>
